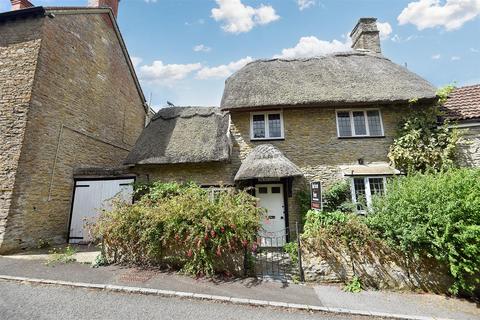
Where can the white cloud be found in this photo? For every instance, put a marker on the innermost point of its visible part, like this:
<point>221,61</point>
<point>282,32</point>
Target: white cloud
<point>150,1</point>
<point>201,48</point>
<point>305,4</point>
<point>455,58</point>
<point>433,13</point>
<point>239,18</point>
<point>136,61</point>
<point>167,74</point>
<point>385,30</point>
<point>312,46</point>
<point>397,38</point>
<point>224,70</point>
<point>436,56</point>
<point>474,50</point>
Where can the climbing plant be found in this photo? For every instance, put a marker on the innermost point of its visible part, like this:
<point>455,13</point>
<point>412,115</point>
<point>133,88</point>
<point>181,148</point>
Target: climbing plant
<point>423,144</point>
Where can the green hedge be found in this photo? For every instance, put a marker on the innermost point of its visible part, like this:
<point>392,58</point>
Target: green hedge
<point>181,226</point>
<point>437,215</point>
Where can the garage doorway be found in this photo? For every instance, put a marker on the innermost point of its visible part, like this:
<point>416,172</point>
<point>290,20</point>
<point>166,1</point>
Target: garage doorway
<point>90,197</point>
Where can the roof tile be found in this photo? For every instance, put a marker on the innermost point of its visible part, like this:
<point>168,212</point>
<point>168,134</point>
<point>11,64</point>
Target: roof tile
<point>463,103</point>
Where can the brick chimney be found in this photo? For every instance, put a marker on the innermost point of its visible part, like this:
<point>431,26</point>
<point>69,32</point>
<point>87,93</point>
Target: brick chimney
<point>365,35</point>
<point>21,4</point>
<point>113,4</point>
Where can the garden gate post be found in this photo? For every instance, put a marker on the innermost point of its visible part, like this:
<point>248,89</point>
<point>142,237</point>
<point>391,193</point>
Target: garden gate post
<point>299,252</point>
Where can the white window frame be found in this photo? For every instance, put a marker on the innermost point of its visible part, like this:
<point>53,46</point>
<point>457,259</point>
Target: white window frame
<point>352,125</point>
<point>267,132</point>
<point>368,192</point>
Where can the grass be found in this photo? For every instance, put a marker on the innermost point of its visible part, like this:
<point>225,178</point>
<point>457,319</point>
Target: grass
<point>57,256</point>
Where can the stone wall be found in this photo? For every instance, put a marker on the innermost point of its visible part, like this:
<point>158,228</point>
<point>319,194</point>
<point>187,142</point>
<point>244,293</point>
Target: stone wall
<point>19,46</point>
<point>469,149</point>
<point>85,111</point>
<point>378,267</point>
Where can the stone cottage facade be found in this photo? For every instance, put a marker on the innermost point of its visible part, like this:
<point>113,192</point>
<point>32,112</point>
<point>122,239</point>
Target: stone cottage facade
<point>69,99</point>
<point>292,122</point>
<point>463,109</point>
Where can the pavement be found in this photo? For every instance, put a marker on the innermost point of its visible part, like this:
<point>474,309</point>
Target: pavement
<point>324,297</point>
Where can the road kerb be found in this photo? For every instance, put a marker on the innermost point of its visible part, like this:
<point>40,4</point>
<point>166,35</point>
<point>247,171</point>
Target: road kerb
<point>199,296</point>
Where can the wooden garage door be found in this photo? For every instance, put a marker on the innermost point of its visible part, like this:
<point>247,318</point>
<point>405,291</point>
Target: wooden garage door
<point>92,196</point>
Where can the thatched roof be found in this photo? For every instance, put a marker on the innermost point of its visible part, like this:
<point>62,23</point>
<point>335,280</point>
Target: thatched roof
<point>266,161</point>
<point>183,135</point>
<point>344,78</point>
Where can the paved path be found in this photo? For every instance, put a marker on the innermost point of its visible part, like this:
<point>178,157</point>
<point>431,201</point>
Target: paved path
<point>24,301</point>
<point>426,305</point>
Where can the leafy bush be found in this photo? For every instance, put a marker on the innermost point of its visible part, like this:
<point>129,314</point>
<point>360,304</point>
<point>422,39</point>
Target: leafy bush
<point>354,285</point>
<point>438,215</point>
<point>345,230</point>
<point>338,197</point>
<point>181,226</point>
<point>291,248</point>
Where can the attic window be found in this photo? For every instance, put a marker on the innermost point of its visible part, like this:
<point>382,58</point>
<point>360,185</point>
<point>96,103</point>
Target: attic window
<point>266,125</point>
<point>359,123</point>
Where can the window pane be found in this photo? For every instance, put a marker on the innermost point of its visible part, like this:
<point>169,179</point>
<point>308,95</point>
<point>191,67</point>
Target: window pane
<point>275,189</point>
<point>274,126</point>
<point>360,195</point>
<point>258,126</point>
<point>344,126</point>
<point>376,186</point>
<point>359,123</point>
<point>374,124</point>
<point>262,190</point>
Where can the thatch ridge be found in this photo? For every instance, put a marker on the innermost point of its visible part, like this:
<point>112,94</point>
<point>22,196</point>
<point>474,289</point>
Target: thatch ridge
<point>183,135</point>
<point>266,162</point>
<point>341,78</point>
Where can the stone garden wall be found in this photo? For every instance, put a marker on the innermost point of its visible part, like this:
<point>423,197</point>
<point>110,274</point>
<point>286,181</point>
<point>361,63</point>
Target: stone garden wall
<point>378,267</point>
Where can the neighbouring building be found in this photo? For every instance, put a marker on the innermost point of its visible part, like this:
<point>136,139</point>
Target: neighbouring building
<point>463,109</point>
<point>69,99</point>
<point>283,124</point>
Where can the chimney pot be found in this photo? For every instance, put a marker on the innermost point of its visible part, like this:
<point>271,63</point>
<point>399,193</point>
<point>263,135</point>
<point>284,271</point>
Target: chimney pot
<point>113,4</point>
<point>21,4</point>
<point>365,35</point>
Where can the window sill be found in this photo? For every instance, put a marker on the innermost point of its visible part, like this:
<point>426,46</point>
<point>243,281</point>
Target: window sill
<point>267,139</point>
<point>362,137</point>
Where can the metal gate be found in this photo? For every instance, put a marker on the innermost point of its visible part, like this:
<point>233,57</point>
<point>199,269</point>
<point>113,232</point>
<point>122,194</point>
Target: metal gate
<point>270,260</point>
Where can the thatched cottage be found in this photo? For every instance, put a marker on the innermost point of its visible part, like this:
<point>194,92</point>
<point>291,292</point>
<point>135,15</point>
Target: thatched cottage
<point>69,99</point>
<point>285,123</point>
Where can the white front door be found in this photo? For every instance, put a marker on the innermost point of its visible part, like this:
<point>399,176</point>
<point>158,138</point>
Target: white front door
<point>91,197</point>
<point>274,226</point>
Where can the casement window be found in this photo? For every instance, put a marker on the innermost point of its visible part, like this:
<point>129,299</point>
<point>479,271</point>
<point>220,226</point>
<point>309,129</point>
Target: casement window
<point>214,192</point>
<point>364,189</point>
<point>266,125</point>
<point>359,123</point>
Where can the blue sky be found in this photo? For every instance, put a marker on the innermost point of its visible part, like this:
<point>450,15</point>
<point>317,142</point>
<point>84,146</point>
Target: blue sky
<point>185,49</point>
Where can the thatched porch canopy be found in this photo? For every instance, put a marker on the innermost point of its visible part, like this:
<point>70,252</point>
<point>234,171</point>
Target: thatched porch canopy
<point>266,162</point>
<point>337,79</point>
<point>183,135</point>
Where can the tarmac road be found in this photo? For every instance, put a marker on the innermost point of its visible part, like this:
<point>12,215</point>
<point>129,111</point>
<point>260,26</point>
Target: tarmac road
<point>26,301</point>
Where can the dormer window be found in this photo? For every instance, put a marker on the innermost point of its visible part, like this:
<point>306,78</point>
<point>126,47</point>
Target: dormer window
<point>266,125</point>
<point>359,123</point>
